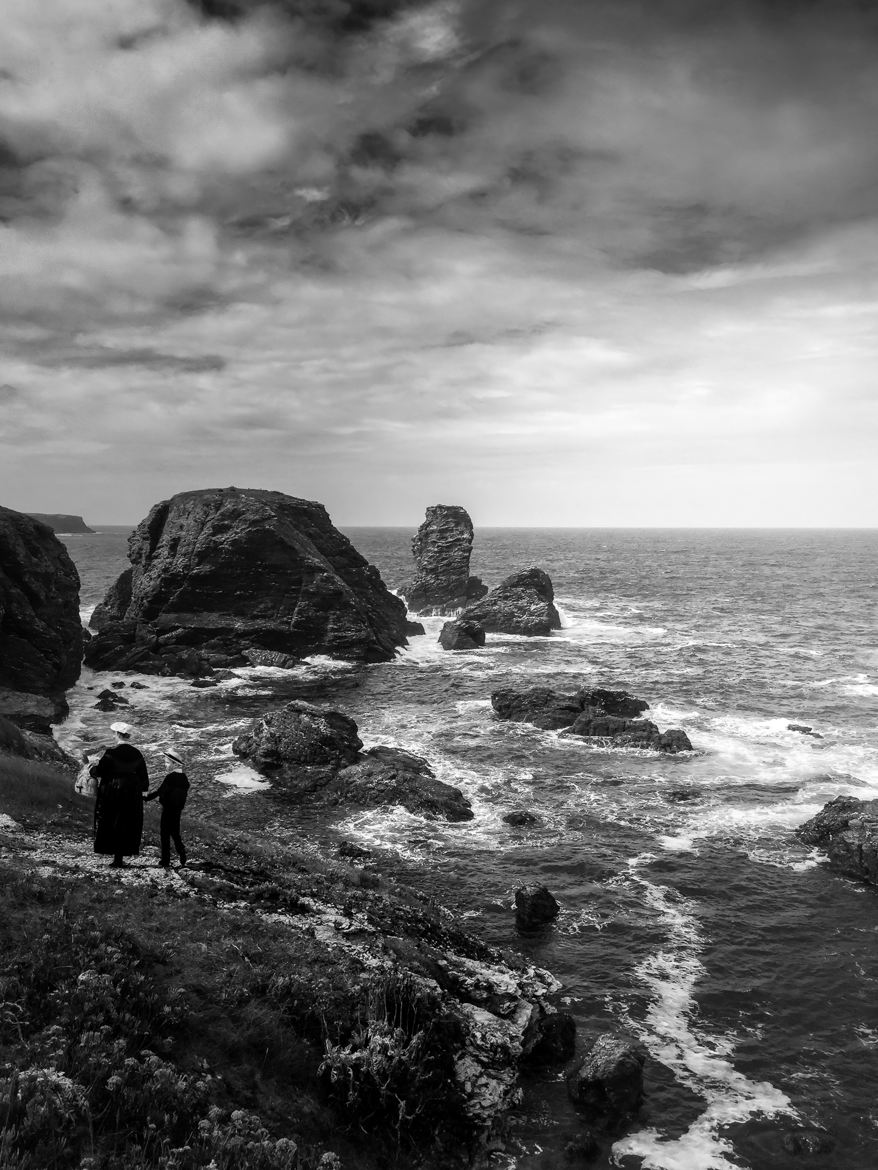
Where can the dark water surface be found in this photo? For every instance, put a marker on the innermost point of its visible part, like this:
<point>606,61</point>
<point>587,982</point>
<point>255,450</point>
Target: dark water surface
<point>689,912</point>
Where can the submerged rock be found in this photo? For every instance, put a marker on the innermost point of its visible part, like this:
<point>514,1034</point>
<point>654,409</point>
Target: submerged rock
<point>40,630</point>
<point>804,729</point>
<point>441,547</point>
<point>551,1039</point>
<point>534,907</point>
<point>846,830</point>
<point>315,754</point>
<point>521,604</point>
<point>224,572</point>
<point>110,701</point>
<point>589,712</point>
<point>461,635</point>
<point>520,818</point>
<point>607,1082</point>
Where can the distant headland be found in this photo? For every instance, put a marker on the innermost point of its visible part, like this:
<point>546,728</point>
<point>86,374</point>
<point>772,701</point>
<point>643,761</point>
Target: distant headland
<point>61,523</point>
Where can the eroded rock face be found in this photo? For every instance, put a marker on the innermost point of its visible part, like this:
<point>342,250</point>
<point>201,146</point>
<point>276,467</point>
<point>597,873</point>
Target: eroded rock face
<point>592,712</point>
<point>607,1082</point>
<point>521,604</point>
<point>315,755</point>
<point>461,635</point>
<point>40,630</point>
<point>846,830</point>
<point>441,548</point>
<point>220,575</point>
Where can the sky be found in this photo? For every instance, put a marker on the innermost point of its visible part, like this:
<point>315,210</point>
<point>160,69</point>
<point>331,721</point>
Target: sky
<point>575,262</point>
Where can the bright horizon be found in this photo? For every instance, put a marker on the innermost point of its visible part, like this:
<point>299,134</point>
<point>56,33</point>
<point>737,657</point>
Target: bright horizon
<point>582,263</point>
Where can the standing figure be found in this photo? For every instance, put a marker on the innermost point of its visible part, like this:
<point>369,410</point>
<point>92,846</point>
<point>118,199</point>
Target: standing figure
<point>172,794</point>
<point>122,780</point>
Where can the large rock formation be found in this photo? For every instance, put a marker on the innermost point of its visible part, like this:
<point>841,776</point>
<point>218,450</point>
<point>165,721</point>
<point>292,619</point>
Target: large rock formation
<point>441,548</point>
<point>40,630</point>
<point>607,1082</point>
<point>314,753</point>
<point>220,573</point>
<point>591,712</point>
<point>521,604</point>
<point>846,830</point>
<point>59,522</point>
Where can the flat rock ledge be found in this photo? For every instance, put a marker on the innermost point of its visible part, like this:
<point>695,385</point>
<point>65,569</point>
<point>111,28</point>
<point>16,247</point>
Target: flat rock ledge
<point>846,830</point>
<point>590,713</point>
<point>226,576</point>
<point>315,755</point>
<point>521,604</point>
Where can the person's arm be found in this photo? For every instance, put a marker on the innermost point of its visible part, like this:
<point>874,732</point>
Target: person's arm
<point>157,792</point>
<point>99,770</point>
<point>143,774</point>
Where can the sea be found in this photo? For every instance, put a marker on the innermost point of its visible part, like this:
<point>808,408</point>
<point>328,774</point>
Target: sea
<point>690,914</point>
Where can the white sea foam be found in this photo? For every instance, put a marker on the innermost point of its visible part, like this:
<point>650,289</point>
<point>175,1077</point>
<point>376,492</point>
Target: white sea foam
<point>699,1059</point>
<point>243,779</point>
<point>85,612</point>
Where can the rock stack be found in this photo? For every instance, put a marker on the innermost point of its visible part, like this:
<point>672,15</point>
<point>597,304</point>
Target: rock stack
<point>521,604</point>
<point>441,547</point>
<point>222,575</point>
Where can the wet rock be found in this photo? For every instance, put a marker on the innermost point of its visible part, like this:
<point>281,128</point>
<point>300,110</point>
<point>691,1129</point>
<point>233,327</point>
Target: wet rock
<point>461,635</point>
<point>607,1082</point>
<point>204,683</point>
<point>118,685</point>
<point>846,830</point>
<point>40,629</point>
<point>520,818</point>
<point>414,629</point>
<point>385,775</point>
<point>551,1039</point>
<point>680,795</point>
<point>441,548</point>
<point>139,686</point>
<point>534,907</point>
<point>300,734</point>
<point>257,657</point>
<point>521,604</point>
<point>808,1140</point>
<point>804,729</point>
<point>221,571</point>
<point>110,701</point>
<point>589,712</point>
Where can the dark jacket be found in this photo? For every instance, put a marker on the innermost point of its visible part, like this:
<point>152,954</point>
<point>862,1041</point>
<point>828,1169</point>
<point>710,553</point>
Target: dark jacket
<point>172,791</point>
<point>122,780</point>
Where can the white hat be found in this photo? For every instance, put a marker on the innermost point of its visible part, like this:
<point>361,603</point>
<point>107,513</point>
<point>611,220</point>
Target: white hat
<point>123,729</point>
<point>172,755</point>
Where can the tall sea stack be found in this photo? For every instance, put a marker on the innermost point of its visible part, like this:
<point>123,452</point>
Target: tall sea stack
<point>40,630</point>
<point>441,548</point>
<point>221,573</point>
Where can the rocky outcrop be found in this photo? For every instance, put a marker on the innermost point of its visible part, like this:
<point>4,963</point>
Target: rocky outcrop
<point>607,1082</point>
<point>460,635</point>
<point>220,575</point>
<point>534,906</point>
<point>551,1039</point>
<point>521,604</point>
<point>441,548</point>
<point>591,712</point>
<point>59,522</point>
<point>315,755</point>
<point>846,830</point>
<point>40,630</point>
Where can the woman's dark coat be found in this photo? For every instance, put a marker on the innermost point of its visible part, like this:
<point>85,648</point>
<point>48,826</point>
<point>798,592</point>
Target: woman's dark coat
<point>122,780</point>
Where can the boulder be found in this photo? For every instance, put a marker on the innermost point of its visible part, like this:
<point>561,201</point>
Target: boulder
<point>222,572</point>
<point>521,604</point>
<point>589,712</point>
<point>534,907</point>
<point>441,548</point>
<point>520,818</point>
<point>40,630</point>
<point>846,830</point>
<point>300,734</point>
<point>551,1039</point>
<point>257,657</point>
<point>461,635</point>
<point>385,775</point>
<point>804,729</point>
<point>110,701</point>
<point>607,1082</point>
<point>61,522</point>
<point>314,753</point>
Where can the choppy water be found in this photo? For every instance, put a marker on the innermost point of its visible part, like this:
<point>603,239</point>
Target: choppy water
<point>690,913</point>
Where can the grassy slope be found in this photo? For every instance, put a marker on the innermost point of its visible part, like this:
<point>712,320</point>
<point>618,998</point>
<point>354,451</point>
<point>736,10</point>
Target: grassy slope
<point>251,1007</point>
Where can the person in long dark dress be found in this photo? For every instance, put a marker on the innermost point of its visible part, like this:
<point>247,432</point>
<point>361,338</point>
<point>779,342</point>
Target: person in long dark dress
<point>122,780</point>
<point>172,793</point>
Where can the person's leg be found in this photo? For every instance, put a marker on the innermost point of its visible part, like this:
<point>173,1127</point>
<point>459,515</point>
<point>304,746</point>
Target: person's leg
<point>118,860</point>
<point>178,841</point>
<point>165,837</point>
